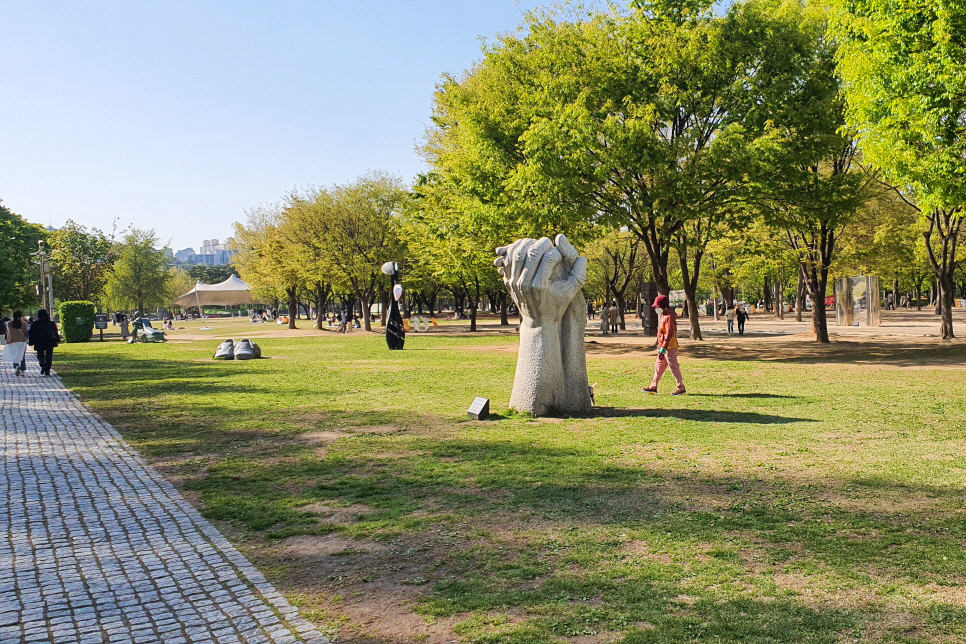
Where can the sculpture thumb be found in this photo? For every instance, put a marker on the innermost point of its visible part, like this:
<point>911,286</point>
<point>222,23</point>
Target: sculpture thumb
<point>579,272</point>
<point>566,249</point>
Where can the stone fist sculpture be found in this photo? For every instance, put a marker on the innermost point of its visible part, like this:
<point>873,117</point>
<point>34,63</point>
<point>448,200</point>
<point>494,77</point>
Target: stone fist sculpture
<point>545,281</point>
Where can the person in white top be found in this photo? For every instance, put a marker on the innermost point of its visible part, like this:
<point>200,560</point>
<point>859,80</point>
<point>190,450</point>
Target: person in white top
<point>730,317</point>
<point>15,349</point>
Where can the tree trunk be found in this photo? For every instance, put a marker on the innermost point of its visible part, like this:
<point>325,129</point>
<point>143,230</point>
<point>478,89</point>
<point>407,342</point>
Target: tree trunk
<point>472,316</point>
<point>690,290</point>
<point>819,314</point>
<point>364,303</point>
<point>321,302</point>
<point>946,224</point>
<point>767,293</point>
<point>293,303</point>
<point>779,300</point>
<point>800,296</point>
<point>947,295</point>
<point>504,319</point>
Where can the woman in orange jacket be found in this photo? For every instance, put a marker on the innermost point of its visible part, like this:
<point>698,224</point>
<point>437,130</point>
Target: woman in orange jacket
<point>667,347</point>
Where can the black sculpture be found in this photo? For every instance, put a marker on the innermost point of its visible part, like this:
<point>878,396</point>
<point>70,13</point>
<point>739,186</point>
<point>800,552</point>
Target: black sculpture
<point>395,332</point>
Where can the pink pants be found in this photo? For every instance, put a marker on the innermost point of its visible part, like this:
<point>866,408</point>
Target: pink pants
<point>669,359</point>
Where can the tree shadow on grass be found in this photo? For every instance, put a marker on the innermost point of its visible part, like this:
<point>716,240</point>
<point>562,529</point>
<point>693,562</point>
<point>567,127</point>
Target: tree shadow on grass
<point>905,353</point>
<point>749,395</point>
<point>702,416</point>
<point>545,532</point>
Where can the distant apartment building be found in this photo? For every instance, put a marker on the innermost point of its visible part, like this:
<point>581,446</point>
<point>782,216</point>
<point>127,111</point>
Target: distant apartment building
<point>213,253</point>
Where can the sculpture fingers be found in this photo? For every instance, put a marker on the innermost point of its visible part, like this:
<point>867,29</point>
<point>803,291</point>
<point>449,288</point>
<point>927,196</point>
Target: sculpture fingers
<point>544,274</point>
<point>567,250</point>
<point>517,254</point>
<point>579,272</point>
<point>569,287</point>
<point>501,251</point>
<point>535,254</point>
<point>500,262</point>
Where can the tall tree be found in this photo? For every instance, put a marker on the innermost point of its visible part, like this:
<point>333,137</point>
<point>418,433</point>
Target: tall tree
<point>357,231</point>
<point>304,228</point>
<point>809,179</point>
<point>139,276</point>
<point>444,243</point>
<point>615,261</point>
<point>265,259</point>
<point>81,260</point>
<point>644,119</point>
<point>18,274</point>
<point>902,66</point>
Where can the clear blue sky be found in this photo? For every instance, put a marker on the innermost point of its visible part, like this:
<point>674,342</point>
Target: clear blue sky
<point>180,115</point>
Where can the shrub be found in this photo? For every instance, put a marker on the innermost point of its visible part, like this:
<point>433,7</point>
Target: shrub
<point>77,321</point>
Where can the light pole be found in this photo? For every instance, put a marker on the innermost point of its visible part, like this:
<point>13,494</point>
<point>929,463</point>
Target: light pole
<point>46,278</point>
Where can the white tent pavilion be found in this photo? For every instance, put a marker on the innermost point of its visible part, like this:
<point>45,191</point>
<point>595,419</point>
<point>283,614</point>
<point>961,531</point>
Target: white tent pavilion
<point>231,292</point>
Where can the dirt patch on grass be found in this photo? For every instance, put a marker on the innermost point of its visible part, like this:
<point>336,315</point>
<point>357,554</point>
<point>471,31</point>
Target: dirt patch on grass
<point>337,514</point>
<point>642,549</point>
<point>884,503</point>
<point>373,586</point>
<point>309,547</point>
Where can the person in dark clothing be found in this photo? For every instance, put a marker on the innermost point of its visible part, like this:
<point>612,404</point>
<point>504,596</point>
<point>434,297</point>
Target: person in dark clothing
<point>43,337</point>
<point>742,316</point>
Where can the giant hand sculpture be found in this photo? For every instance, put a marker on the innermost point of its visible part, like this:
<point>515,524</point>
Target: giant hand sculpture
<point>545,283</point>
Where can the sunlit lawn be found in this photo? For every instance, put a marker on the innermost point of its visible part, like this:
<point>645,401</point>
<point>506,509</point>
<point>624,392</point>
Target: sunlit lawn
<point>811,499</point>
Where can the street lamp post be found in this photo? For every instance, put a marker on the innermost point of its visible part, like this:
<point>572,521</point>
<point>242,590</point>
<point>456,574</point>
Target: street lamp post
<point>46,278</point>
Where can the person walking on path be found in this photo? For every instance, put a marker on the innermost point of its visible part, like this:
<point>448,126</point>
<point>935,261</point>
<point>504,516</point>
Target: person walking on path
<point>742,316</point>
<point>615,317</point>
<point>43,337</point>
<point>15,349</point>
<point>667,347</point>
<point>605,318</point>
<point>730,317</point>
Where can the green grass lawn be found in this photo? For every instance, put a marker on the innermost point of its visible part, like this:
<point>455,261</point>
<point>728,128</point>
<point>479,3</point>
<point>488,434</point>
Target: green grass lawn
<point>808,497</point>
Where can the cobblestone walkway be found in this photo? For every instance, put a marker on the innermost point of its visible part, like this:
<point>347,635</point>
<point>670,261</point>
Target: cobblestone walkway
<point>96,547</point>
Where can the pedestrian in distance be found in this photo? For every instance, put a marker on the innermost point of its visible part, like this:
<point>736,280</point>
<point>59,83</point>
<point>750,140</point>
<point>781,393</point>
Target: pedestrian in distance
<point>730,317</point>
<point>605,318</point>
<point>590,310</point>
<point>667,347</point>
<point>15,349</point>
<point>615,315</point>
<point>742,316</point>
<point>43,337</point>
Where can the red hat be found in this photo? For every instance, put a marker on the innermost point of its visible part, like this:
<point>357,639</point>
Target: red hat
<point>660,302</point>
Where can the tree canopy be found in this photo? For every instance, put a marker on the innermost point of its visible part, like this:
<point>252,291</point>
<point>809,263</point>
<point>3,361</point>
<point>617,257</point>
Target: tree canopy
<point>19,276</point>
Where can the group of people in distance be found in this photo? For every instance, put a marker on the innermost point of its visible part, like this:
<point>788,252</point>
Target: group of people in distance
<point>39,332</point>
<point>610,317</point>
<point>737,312</point>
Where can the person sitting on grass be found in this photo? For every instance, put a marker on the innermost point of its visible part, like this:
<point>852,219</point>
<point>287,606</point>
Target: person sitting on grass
<point>667,347</point>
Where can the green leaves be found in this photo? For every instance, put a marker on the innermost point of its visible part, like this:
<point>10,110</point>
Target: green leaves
<point>139,277</point>
<point>18,274</point>
<point>904,70</point>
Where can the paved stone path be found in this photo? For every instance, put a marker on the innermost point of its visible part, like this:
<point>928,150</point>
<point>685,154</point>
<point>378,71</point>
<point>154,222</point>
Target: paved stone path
<point>95,546</point>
